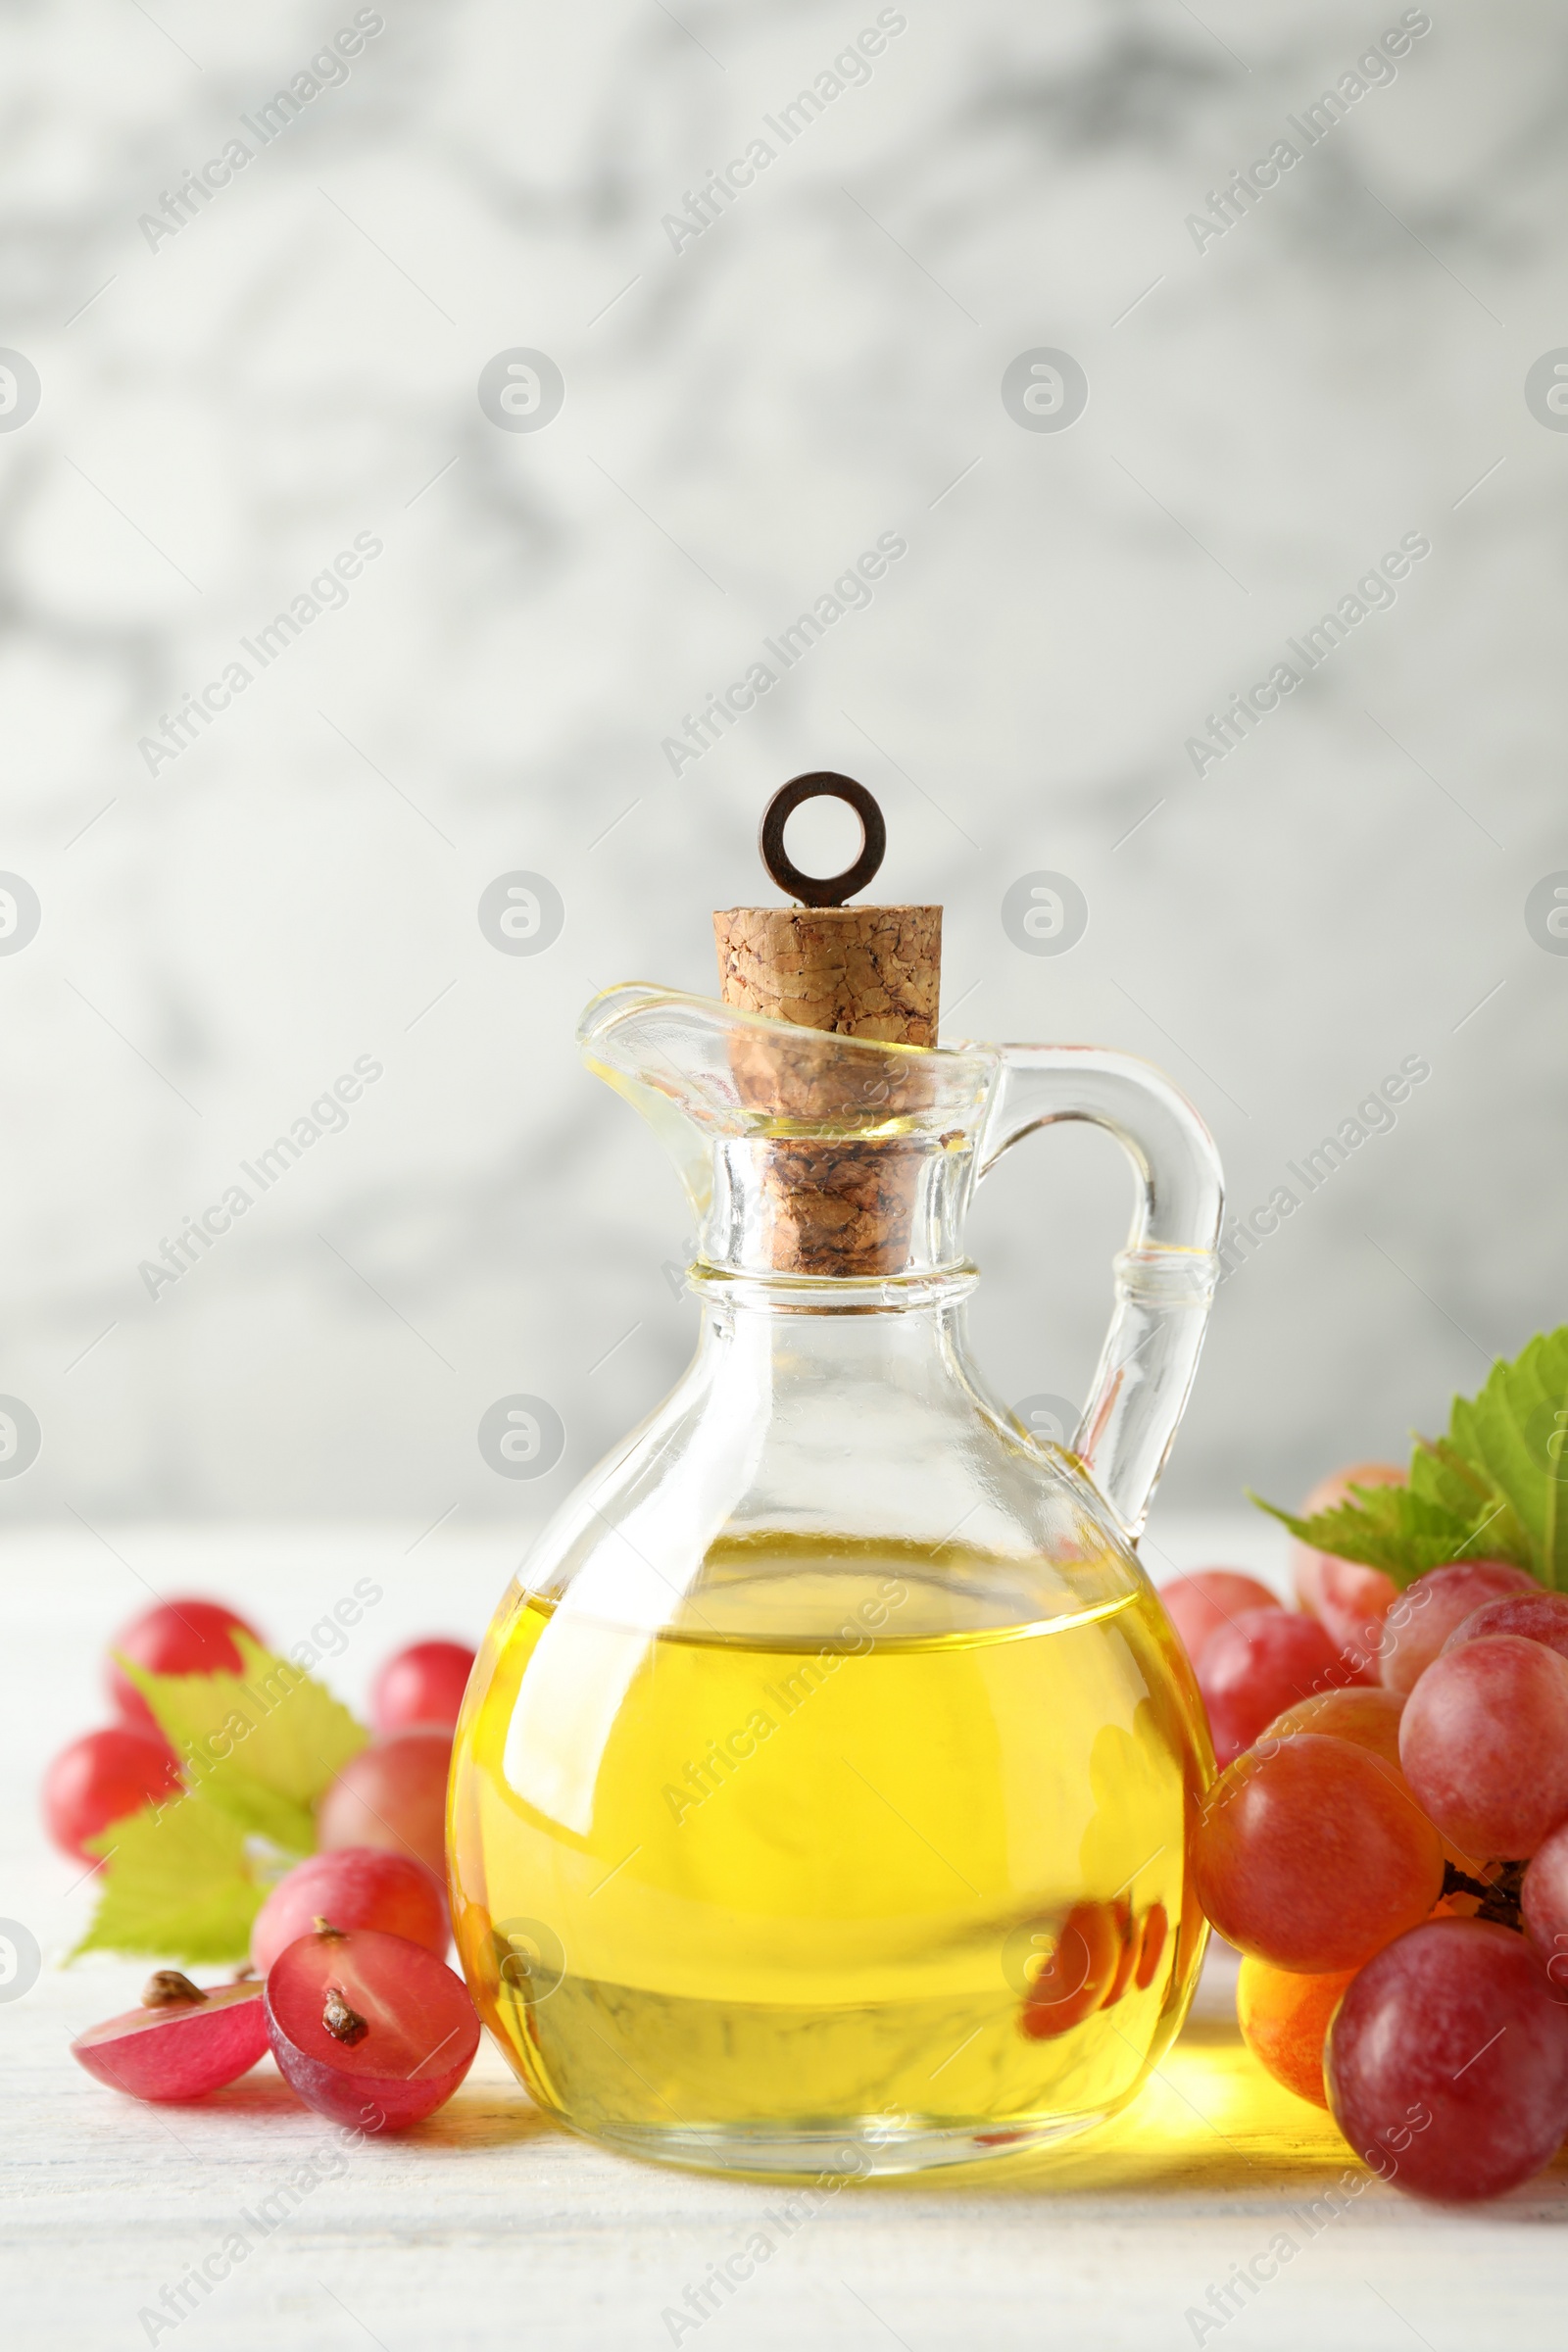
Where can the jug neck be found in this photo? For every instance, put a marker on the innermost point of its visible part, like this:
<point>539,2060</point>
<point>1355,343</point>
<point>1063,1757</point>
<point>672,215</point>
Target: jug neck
<point>811,1220</point>
<point>804,1154</point>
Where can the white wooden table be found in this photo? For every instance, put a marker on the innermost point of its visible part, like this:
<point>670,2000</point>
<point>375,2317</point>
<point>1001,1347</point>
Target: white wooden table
<point>488,2227</point>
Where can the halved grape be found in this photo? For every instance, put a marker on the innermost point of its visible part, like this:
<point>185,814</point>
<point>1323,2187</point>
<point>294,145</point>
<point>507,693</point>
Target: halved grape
<point>177,2045</point>
<point>1484,1743</point>
<point>1199,1603</point>
<point>1312,1856</point>
<point>1284,2020</point>
<point>1448,2062</point>
<point>370,2029</point>
<point>1427,1612</point>
<point>1534,1616</point>
<point>102,1777</point>
<point>423,1684</point>
<point>1252,1671</point>
<point>354,1887</point>
<point>178,1637</point>
<point>392,1795</point>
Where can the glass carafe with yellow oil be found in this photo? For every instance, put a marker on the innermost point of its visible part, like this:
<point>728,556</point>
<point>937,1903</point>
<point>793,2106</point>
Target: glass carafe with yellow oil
<point>821,1797</point>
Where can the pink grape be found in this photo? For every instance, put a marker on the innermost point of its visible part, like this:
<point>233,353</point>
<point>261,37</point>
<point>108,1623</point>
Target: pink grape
<point>1252,1670</point>
<point>420,1685</point>
<point>1198,1604</point>
<point>1349,1600</point>
<point>178,1637</point>
<point>1484,1741</point>
<point>101,1778</point>
<point>1535,1616</point>
<point>392,1795</point>
<point>1429,1610</point>
<point>177,2048</point>
<point>1544,1901</point>
<point>354,1887</point>
<point>1311,1856</point>
<point>370,2029</point>
<point>1448,2062</point>
<point>1368,1718</point>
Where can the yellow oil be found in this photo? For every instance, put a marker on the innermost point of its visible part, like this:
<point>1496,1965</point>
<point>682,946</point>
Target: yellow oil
<point>774,1898</point>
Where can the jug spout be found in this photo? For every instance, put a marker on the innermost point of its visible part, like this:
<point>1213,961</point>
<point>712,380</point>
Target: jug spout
<point>802,1153</point>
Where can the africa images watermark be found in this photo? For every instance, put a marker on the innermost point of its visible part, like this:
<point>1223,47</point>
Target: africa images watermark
<point>724,2278</point>
<point>1227,2299</point>
<point>325,592</point>
<point>327,70</point>
<point>1373,593</point>
<point>201,1755</point>
<point>1374,1115</point>
<point>851,592</point>
<point>717,1766</point>
<point>1373,71</point>
<point>238,2244</point>
<point>850,70</point>
<point>327,1116</point>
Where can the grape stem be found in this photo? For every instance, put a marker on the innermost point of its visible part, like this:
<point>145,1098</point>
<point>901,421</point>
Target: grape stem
<point>1500,1900</point>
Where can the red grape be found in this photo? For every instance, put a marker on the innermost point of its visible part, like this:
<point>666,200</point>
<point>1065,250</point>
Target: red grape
<point>1447,2062</point>
<point>1368,1718</point>
<point>1128,1936</point>
<point>1430,1609</point>
<point>1155,1929</point>
<point>392,1795</point>
<point>1312,1855</point>
<point>178,1637</point>
<point>1352,1606</point>
<point>1535,1616</point>
<point>101,1778</point>
<point>1544,1901</point>
<point>1285,2019</point>
<point>1349,1600</point>
<point>173,2047</point>
<point>1077,1974</point>
<point>366,2021</point>
<point>1484,1743</point>
<point>1200,1603</point>
<point>354,1887</point>
<point>422,1684</point>
<point>1254,1669</point>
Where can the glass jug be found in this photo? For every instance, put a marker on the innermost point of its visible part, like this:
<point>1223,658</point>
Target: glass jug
<point>821,1794</point>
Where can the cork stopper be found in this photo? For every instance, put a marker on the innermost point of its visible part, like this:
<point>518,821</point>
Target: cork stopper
<point>858,971</point>
<point>835,1207</point>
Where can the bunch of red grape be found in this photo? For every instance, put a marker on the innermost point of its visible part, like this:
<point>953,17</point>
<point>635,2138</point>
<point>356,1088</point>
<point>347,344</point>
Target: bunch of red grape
<point>1386,1845</point>
<point>347,1980</point>
<point>392,1794</point>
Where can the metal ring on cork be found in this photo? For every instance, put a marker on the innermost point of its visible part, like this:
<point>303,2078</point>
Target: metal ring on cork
<point>830,890</point>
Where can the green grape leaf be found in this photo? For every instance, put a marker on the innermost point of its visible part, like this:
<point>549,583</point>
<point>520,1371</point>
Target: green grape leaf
<point>1439,1473</point>
<point>1515,1432</point>
<point>178,1882</point>
<point>1495,1488</point>
<point>1388,1528</point>
<point>263,1745</point>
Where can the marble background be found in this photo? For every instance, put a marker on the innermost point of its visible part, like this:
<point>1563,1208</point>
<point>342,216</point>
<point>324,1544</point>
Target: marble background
<point>222,410</point>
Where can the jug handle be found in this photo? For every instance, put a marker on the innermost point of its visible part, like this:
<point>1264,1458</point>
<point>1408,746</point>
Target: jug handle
<point>1166,1274</point>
